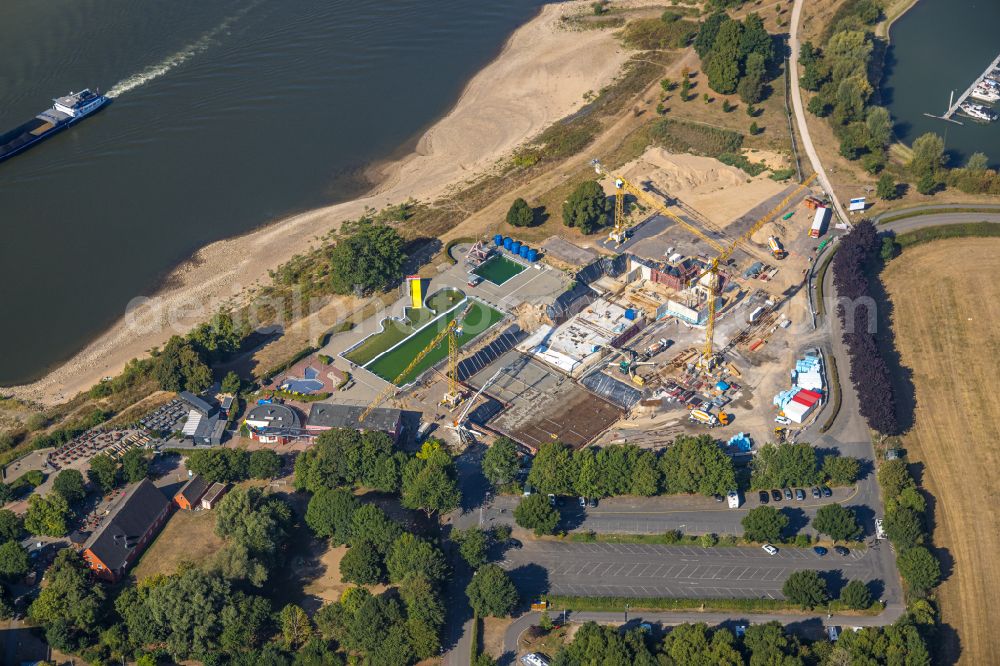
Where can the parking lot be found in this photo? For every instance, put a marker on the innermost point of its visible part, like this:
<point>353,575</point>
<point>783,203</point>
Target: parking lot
<point>638,570</point>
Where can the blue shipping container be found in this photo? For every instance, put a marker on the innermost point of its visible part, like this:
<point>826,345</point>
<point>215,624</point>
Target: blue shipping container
<point>532,255</point>
<point>524,251</point>
<point>507,242</point>
<point>498,240</point>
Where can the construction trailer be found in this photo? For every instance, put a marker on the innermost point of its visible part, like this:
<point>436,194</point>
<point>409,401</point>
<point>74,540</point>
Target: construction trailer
<point>819,222</point>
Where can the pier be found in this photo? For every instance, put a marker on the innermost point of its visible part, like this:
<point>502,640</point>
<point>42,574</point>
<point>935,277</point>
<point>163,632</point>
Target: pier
<point>954,107</point>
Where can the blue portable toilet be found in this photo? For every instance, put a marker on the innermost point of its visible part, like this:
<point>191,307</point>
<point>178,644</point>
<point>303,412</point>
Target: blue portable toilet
<point>722,386</point>
<point>498,240</point>
<point>630,314</point>
<point>515,247</point>
<point>524,251</point>
<point>507,242</point>
<point>532,255</point>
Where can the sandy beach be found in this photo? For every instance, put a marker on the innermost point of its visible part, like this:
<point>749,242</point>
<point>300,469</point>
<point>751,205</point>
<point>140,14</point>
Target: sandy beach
<point>540,76</point>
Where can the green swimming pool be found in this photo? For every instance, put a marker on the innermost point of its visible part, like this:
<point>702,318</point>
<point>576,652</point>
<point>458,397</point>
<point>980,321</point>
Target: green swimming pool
<point>498,269</point>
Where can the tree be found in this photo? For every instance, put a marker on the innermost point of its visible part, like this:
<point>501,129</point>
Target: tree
<point>264,464</point>
<point>841,470</point>
<point>856,595</point>
<point>180,367</point>
<point>553,470</point>
<point>500,463</point>
<point>837,521</point>
<point>722,65</point>
<point>330,512</point>
<point>904,527</point>
<point>472,545</point>
<point>135,466</point>
<point>295,626</point>
<point>919,568</point>
<point>491,592</point>
<point>424,615</point>
<point>69,483</point>
<point>751,86</point>
<point>362,564</point>
<point>431,484</point>
<point>928,184</point>
<point>697,465</point>
<point>520,214</point>
<point>755,129</point>
<point>368,260</point>
<point>220,464</point>
<point>186,612</point>
<point>784,465</point>
<point>978,162</point>
<point>879,126</point>
<point>805,588</point>
<point>231,383</point>
<point>928,156</point>
<point>769,643</point>
<point>47,516</point>
<point>69,595</point>
<point>587,207</point>
<point>13,560</point>
<point>412,556</point>
<point>372,524</point>
<point>535,513</point>
<point>103,472</point>
<point>255,523</point>
<point>889,248</point>
<point>11,526</point>
<point>708,30</point>
<point>348,457</point>
<point>886,187</point>
<point>692,645</point>
<point>764,523</point>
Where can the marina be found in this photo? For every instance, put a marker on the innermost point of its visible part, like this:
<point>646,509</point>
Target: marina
<point>986,88</point>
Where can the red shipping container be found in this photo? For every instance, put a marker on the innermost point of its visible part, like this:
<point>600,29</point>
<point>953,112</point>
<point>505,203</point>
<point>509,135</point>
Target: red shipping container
<point>802,401</point>
<point>812,394</point>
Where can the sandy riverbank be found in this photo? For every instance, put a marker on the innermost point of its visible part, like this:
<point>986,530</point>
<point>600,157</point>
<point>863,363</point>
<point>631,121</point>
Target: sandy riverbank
<point>540,76</point>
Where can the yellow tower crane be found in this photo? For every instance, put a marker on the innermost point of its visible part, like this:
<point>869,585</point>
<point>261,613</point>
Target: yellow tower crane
<point>454,395</point>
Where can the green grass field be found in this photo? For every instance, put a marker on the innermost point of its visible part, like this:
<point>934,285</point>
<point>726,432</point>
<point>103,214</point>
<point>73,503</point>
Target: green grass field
<point>395,331</point>
<point>498,269</point>
<point>388,367</point>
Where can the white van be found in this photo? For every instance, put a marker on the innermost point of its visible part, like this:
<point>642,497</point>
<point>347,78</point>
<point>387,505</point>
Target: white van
<point>534,659</point>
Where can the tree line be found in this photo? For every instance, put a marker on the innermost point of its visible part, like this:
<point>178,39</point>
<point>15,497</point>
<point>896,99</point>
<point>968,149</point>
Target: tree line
<point>869,371</point>
<point>906,527</point>
<point>788,465</point>
<point>764,643</point>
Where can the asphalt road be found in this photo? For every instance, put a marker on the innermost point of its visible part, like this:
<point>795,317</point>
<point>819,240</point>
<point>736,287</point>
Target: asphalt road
<point>640,570</point>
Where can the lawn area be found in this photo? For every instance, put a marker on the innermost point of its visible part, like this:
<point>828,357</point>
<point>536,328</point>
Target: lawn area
<point>498,269</point>
<point>946,323</point>
<point>188,537</point>
<point>388,367</point>
<point>395,331</point>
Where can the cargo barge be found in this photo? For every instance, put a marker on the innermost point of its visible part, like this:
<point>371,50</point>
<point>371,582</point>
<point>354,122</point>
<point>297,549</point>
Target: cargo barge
<point>66,111</point>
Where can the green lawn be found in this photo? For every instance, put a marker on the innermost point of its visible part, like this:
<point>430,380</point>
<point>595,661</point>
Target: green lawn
<point>388,367</point>
<point>498,269</point>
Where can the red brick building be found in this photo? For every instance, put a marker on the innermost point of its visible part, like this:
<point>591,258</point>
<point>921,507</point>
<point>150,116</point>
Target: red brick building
<point>188,497</point>
<point>125,533</point>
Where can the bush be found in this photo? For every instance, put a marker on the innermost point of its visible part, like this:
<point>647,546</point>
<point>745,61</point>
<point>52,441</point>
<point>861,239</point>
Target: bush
<point>654,34</point>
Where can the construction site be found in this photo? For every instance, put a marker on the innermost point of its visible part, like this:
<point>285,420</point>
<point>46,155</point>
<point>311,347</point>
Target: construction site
<point>669,323</point>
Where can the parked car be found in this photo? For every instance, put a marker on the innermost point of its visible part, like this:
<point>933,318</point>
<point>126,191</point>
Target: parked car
<point>815,493</point>
<point>552,499</point>
<point>800,494</point>
<point>475,281</point>
<point>719,498</point>
<point>763,497</point>
<point>769,549</point>
<point>819,550</point>
<point>776,495</point>
<point>840,550</point>
<point>593,502</point>
<point>788,493</point>
<point>583,501</point>
<point>782,420</point>
<point>826,491</point>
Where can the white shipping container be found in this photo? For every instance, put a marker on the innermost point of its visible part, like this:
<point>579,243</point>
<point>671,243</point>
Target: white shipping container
<point>797,412</point>
<point>819,222</point>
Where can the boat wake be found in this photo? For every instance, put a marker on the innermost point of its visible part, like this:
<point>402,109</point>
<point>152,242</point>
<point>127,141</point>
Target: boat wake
<point>178,58</point>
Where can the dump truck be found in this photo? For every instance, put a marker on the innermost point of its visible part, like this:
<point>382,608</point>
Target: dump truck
<point>777,249</point>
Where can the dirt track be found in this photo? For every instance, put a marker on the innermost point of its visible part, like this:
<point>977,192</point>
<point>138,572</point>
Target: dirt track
<point>946,319</point>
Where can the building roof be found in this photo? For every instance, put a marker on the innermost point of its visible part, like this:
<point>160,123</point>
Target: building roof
<point>112,542</point>
<point>215,491</point>
<point>324,415</point>
<point>275,415</point>
<point>197,403</point>
<point>193,489</point>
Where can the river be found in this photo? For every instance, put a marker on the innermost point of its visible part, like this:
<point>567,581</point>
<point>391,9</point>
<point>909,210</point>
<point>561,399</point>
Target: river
<point>227,115</point>
<point>939,46</point>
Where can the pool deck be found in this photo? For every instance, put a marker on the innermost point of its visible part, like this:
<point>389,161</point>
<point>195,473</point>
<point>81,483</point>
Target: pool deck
<point>533,285</point>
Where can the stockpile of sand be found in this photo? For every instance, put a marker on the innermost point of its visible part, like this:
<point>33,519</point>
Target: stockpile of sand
<point>719,192</point>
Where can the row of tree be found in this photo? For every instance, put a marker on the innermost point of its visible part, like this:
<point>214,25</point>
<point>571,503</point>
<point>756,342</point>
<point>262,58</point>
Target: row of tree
<point>906,527</point>
<point>689,465</point>
<point>761,643</point>
<point>856,310</point>
<point>229,465</point>
<point>788,465</point>
<point>766,524</point>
